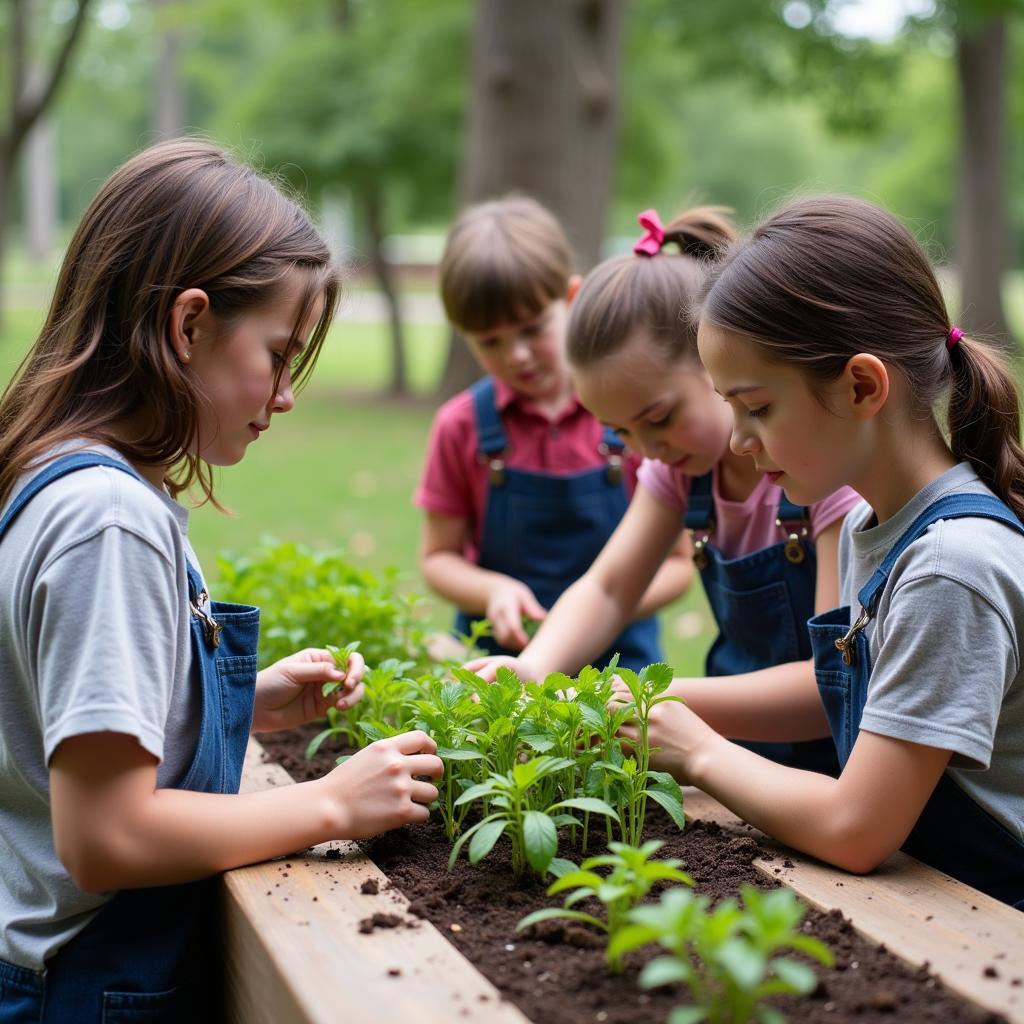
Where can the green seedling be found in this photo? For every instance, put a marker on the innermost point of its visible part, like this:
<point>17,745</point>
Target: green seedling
<point>631,877</point>
<point>340,657</point>
<point>726,957</point>
<point>532,829</point>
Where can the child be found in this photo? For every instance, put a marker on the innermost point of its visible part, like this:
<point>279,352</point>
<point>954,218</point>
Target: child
<point>192,296</point>
<point>521,485</point>
<point>827,334</point>
<point>766,563</point>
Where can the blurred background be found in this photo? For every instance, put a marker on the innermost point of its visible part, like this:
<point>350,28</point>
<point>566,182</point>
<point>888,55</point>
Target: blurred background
<point>385,115</point>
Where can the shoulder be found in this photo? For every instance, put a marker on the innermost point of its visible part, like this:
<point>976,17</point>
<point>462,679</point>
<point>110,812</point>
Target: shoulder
<point>456,417</point>
<point>668,485</point>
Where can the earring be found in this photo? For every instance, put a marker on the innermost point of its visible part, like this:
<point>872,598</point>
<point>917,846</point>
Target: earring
<point>186,356</point>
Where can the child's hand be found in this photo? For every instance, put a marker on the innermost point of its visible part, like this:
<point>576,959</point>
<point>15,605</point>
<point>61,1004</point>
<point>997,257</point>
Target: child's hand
<point>487,668</point>
<point>290,691</point>
<point>509,601</point>
<point>380,787</point>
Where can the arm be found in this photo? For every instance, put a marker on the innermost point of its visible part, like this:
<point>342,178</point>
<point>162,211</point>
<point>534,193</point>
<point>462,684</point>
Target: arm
<point>777,703</point>
<point>853,822</point>
<point>113,829</point>
<point>592,612</point>
<point>500,598</point>
<point>672,580</point>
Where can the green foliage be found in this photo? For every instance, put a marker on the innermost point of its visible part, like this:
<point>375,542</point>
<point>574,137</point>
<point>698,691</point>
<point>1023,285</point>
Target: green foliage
<point>307,599</point>
<point>631,876</point>
<point>521,811</point>
<point>727,957</point>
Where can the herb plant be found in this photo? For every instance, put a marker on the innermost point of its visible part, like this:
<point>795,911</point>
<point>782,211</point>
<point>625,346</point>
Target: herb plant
<point>727,957</point>
<point>630,879</point>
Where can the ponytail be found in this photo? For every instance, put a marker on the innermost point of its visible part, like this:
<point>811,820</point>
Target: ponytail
<point>984,420</point>
<point>653,289</point>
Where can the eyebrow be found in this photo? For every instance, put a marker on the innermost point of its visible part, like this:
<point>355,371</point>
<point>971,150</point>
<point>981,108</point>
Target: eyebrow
<point>742,389</point>
<point>643,412</point>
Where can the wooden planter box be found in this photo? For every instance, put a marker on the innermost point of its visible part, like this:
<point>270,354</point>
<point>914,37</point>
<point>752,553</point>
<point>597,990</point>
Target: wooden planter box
<point>293,955</point>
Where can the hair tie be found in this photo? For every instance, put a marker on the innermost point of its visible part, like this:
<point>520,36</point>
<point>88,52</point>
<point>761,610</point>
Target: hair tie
<point>654,234</point>
<point>952,337</point>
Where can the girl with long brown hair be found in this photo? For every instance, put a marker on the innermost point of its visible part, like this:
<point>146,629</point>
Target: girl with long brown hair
<point>192,299</point>
<point>828,336</point>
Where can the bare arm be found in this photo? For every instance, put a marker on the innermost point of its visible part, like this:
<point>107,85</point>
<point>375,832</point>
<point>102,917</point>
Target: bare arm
<point>672,580</point>
<point>594,610</point>
<point>777,703</point>
<point>500,598</point>
<point>854,822</point>
<point>113,829</point>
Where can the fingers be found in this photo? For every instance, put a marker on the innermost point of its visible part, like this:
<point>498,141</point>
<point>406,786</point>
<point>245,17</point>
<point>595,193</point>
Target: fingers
<point>533,609</point>
<point>355,669</point>
<point>423,793</point>
<point>424,764</point>
<point>350,698</point>
<point>414,742</point>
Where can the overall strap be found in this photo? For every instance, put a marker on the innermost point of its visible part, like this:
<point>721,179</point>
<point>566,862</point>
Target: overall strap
<point>952,506</point>
<point>54,471</point>
<point>790,513</point>
<point>700,507</point>
<point>490,431</point>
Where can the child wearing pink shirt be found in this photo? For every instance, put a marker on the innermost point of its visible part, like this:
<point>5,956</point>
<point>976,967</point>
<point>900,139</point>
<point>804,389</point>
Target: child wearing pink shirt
<point>522,486</point>
<point>767,565</point>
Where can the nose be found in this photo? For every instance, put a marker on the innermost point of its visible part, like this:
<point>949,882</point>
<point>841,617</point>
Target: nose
<point>284,398</point>
<point>651,446</point>
<point>743,441</point>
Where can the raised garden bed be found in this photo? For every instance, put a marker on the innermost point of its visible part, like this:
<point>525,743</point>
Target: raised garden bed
<point>296,951</point>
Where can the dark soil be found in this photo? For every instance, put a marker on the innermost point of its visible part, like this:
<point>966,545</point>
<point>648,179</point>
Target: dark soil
<point>555,972</point>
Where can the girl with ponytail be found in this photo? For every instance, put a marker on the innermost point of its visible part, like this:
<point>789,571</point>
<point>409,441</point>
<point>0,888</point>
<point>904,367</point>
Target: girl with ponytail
<point>828,336</point>
<point>767,563</point>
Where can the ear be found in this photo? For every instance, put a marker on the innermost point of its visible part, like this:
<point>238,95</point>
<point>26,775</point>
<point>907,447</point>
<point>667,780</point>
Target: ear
<point>574,286</point>
<point>866,385</point>
<point>189,318</point>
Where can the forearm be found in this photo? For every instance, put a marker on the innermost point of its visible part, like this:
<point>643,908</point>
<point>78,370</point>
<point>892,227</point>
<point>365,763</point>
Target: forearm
<point>671,582</point>
<point>780,703</point>
<point>179,835</point>
<point>455,578</point>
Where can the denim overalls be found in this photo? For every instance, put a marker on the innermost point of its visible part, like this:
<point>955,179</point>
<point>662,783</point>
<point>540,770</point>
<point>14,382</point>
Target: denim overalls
<point>151,955</point>
<point>954,833</point>
<point>546,529</point>
<point>761,603</point>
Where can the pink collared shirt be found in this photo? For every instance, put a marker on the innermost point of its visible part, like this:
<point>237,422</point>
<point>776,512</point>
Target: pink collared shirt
<point>741,527</point>
<point>454,480</point>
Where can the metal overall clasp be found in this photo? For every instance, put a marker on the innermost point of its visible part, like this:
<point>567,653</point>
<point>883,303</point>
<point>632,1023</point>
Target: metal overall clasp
<point>211,628</point>
<point>700,546</point>
<point>845,644</point>
<point>613,472</point>
<point>794,549</point>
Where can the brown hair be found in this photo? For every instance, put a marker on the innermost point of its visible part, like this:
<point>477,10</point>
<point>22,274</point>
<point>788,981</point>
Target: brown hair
<point>180,214</point>
<point>655,293</point>
<point>826,278</point>
<point>503,262</point>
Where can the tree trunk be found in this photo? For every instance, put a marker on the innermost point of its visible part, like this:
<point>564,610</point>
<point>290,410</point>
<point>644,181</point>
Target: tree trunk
<point>385,281</point>
<point>42,195</point>
<point>543,119</point>
<point>169,101</point>
<point>982,238</point>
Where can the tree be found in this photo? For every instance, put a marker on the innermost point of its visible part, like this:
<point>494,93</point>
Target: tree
<point>33,86</point>
<point>542,119</point>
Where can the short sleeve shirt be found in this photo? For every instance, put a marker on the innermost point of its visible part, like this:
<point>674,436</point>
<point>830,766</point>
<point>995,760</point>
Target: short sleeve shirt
<point>454,479</point>
<point>946,641</point>
<point>741,527</point>
<point>94,637</point>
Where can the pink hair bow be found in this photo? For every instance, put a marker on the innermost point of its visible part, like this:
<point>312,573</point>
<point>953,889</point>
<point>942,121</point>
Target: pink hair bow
<point>654,234</point>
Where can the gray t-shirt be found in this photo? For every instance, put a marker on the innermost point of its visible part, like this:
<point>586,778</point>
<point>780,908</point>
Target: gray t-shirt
<point>946,641</point>
<point>94,637</point>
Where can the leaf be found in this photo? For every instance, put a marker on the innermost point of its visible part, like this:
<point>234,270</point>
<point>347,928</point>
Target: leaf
<point>560,866</point>
<point>485,838</point>
<point>673,806</point>
<point>540,840</point>
<point>465,837</point>
<point>799,977</point>
<point>572,879</point>
<point>481,789</point>
<point>744,964</point>
<point>458,754</point>
<point>548,913</point>
<point>664,970</point>
<point>769,1015</point>
<point>590,804</point>
<point>631,937</point>
<point>315,742</point>
<point>687,1015</point>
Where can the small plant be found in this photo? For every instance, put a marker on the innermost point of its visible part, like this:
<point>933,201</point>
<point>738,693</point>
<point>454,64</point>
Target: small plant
<point>726,957</point>
<point>630,879</point>
<point>340,656</point>
<point>532,829</point>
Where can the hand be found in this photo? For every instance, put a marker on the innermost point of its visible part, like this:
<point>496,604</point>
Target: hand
<point>487,668</point>
<point>675,734</point>
<point>290,691</point>
<point>508,602</point>
<point>380,787</point>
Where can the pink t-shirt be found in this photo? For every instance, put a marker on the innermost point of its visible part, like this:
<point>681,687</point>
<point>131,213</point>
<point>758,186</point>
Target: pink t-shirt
<point>741,527</point>
<point>454,480</point>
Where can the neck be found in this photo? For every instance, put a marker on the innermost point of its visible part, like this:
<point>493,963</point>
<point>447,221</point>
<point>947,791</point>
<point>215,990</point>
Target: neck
<point>737,476</point>
<point>552,404</point>
<point>902,462</point>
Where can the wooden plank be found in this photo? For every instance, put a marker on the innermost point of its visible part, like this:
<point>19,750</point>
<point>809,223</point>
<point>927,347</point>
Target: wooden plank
<point>294,952</point>
<point>919,914</point>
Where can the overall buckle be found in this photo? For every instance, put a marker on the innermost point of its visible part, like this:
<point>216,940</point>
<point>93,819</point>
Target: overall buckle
<point>845,645</point>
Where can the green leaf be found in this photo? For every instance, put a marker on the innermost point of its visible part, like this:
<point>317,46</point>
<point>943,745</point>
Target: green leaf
<point>540,840</point>
<point>572,879</point>
<point>769,1015</point>
<point>631,937</point>
<point>799,977</point>
<point>485,838</point>
<point>458,754</point>
<point>315,743</point>
<point>590,804</point>
<point>745,964</point>
<point>673,806</point>
<point>664,970</point>
<point>549,913</point>
<point>560,866</point>
<point>687,1015</point>
<point>482,789</point>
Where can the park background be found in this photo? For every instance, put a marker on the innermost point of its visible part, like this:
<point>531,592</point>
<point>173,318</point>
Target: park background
<point>385,116</point>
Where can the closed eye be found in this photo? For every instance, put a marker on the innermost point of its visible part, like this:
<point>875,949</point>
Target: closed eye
<point>759,413</point>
